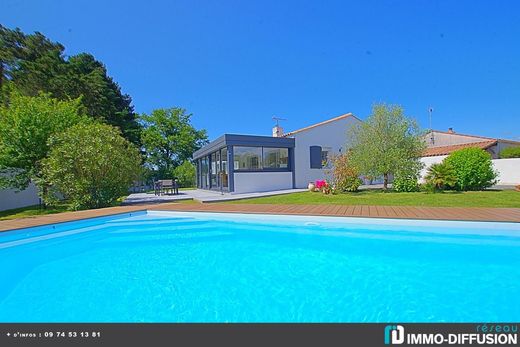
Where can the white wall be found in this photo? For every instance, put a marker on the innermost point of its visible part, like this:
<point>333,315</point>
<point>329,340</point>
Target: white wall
<point>249,182</point>
<point>10,199</point>
<point>508,169</point>
<point>428,161</point>
<point>333,134</point>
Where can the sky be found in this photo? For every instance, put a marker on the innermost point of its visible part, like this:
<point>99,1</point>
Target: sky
<point>236,64</point>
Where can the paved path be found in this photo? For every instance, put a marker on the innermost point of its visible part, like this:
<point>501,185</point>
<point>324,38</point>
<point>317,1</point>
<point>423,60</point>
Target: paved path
<point>409,212</point>
<point>201,196</point>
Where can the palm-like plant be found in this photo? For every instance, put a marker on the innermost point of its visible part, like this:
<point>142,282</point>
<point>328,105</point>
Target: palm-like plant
<point>441,176</point>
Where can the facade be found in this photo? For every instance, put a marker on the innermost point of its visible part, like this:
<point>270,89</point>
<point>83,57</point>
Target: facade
<point>315,144</point>
<point>246,163</point>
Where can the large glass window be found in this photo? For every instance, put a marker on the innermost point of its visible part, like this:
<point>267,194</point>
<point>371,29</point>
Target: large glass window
<point>224,168</point>
<point>247,158</point>
<point>276,158</point>
<point>213,170</point>
<point>205,172</point>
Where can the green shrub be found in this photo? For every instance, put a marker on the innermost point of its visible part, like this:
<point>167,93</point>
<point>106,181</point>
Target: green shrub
<point>473,169</point>
<point>440,176</point>
<point>185,174</point>
<point>345,177</point>
<point>92,165</point>
<point>405,183</point>
<point>510,152</point>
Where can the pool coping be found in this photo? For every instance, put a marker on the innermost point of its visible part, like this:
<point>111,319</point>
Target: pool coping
<point>475,214</point>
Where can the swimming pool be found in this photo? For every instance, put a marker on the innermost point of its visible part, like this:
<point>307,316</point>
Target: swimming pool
<point>207,267</point>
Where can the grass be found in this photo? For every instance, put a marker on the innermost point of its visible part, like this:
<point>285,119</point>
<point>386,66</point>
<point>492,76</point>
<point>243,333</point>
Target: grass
<point>505,198</point>
<point>36,210</point>
<point>31,211</point>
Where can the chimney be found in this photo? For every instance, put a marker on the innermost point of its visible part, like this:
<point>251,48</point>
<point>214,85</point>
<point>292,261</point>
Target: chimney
<point>277,131</point>
<point>450,131</point>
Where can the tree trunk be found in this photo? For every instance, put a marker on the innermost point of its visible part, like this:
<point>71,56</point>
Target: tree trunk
<point>385,182</point>
<point>45,194</point>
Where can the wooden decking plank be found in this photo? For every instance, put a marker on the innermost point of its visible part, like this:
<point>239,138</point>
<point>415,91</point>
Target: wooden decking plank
<point>413,212</point>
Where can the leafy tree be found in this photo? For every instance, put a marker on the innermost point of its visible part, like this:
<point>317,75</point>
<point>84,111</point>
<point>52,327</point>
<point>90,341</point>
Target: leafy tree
<point>25,128</point>
<point>169,138</point>
<point>386,143</point>
<point>473,168</point>
<point>92,165</point>
<point>185,174</point>
<point>440,176</point>
<point>33,63</point>
<point>510,152</point>
<point>102,97</point>
<point>20,52</point>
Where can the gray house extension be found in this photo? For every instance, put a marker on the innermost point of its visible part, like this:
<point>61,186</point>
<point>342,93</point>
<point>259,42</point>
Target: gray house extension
<point>246,163</point>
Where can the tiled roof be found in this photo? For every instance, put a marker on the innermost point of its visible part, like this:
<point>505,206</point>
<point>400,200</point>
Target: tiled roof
<point>479,138</point>
<point>321,123</point>
<point>445,150</point>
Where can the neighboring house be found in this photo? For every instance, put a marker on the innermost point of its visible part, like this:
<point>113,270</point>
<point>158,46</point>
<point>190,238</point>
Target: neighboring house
<point>440,144</point>
<point>250,163</point>
<point>445,142</point>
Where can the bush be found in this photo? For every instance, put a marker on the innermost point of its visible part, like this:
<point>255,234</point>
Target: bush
<point>185,174</point>
<point>473,169</point>
<point>92,165</point>
<point>510,152</point>
<point>405,183</point>
<point>345,177</point>
<point>440,176</point>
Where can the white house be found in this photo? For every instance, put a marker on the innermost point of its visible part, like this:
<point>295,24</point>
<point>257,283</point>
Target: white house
<point>246,163</point>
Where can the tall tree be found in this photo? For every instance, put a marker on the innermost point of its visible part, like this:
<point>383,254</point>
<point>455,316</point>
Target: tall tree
<point>26,126</point>
<point>386,143</point>
<point>169,138</point>
<point>33,63</point>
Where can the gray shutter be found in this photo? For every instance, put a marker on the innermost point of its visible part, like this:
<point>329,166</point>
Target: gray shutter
<point>315,157</point>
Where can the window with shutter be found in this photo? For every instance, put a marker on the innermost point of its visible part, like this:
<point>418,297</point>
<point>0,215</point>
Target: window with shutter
<point>315,152</point>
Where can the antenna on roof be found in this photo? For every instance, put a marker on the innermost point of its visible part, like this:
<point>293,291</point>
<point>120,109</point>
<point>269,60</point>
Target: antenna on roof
<point>277,130</point>
<point>432,139</point>
<point>278,119</point>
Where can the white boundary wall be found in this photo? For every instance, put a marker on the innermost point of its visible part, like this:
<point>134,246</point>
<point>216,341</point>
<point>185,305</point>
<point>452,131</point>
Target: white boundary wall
<point>10,199</point>
<point>508,169</point>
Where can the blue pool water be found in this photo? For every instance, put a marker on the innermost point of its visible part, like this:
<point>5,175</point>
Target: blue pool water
<point>196,267</point>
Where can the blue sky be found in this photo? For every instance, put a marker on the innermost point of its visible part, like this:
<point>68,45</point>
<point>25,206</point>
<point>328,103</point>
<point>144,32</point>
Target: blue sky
<point>235,64</point>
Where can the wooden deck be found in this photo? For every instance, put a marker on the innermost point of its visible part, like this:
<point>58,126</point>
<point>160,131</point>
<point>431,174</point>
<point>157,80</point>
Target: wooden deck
<point>408,212</point>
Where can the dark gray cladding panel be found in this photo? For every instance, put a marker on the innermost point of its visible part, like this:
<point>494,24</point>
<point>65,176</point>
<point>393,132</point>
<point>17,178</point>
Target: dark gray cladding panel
<point>244,140</point>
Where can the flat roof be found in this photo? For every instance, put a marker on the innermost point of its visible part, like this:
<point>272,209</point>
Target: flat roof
<point>243,140</point>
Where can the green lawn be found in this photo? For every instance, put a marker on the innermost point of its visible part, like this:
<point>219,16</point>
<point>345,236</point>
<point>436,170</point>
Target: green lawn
<point>506,198</point>
<point>31,211</point>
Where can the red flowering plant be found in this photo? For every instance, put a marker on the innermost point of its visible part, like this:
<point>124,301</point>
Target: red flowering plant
<point>323,186</point>
<point>320,184</point>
